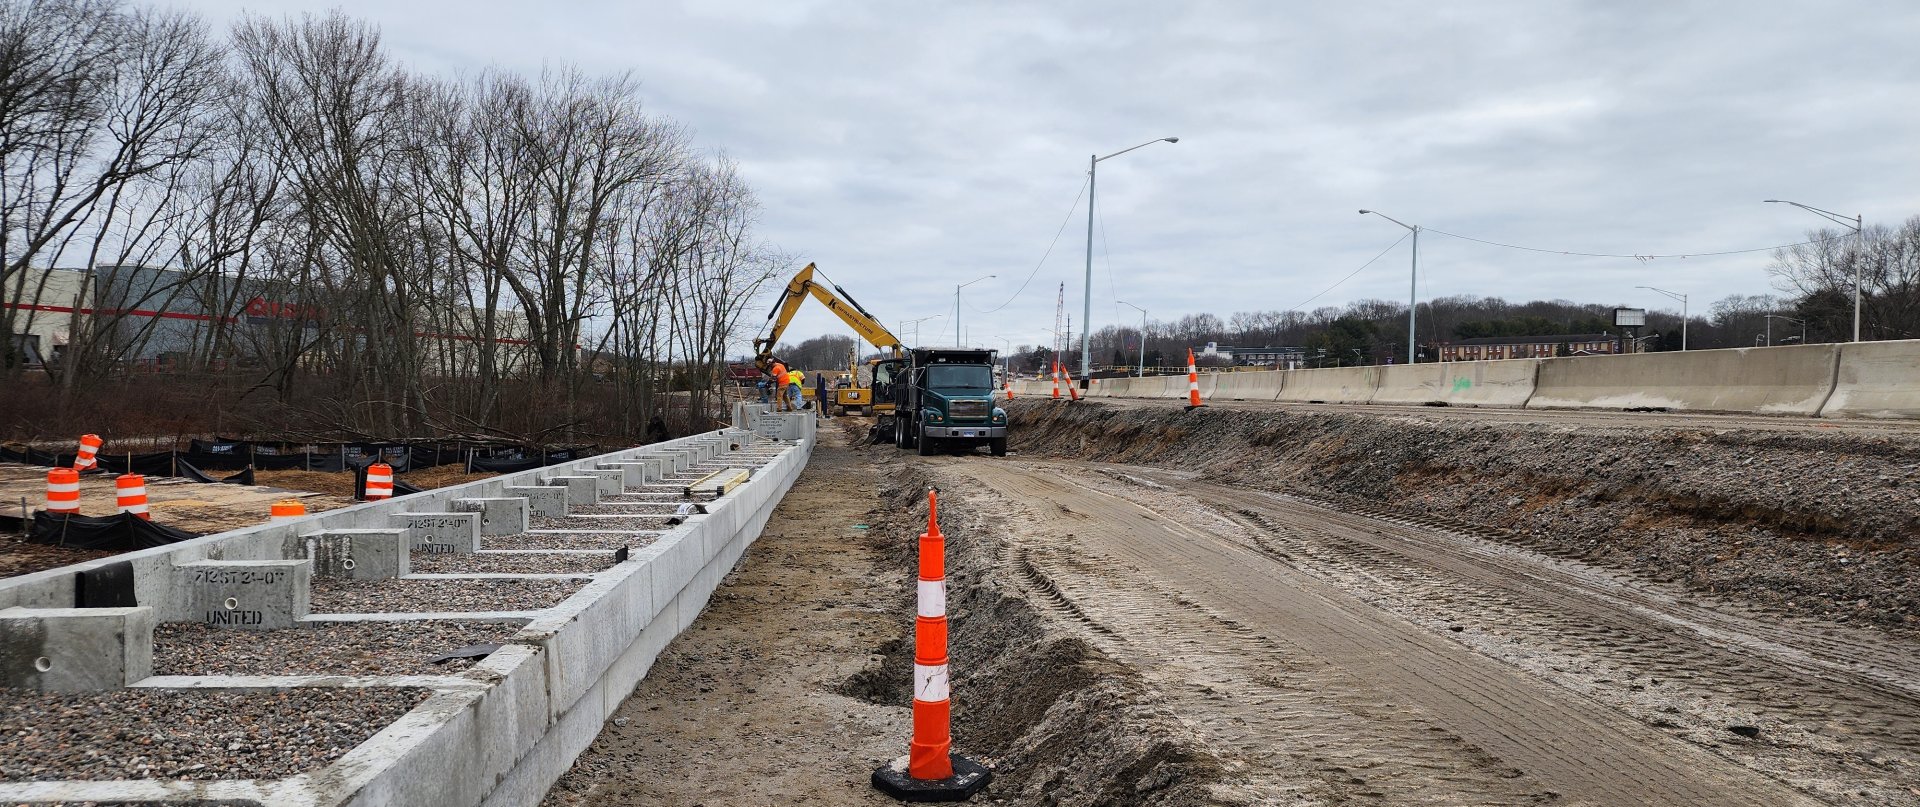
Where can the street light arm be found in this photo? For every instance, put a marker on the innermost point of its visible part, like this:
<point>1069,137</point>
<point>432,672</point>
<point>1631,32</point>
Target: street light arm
<point>1143,312</point>
<point>1837,218</point>
<point>1141,146</point>
<point>1677,296</point>
<point>1389,218</point>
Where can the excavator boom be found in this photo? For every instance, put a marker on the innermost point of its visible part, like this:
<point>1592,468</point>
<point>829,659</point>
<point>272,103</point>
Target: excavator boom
<point>797,291</point>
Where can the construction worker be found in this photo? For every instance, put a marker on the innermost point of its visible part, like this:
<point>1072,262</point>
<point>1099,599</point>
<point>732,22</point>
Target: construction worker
<point>820,393</point>
<point>795,380</point>
<point>777,375</point>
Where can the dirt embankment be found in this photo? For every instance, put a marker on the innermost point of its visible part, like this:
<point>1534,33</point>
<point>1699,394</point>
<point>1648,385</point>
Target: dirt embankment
<point>1059,721</point>
<point>1809,522</point>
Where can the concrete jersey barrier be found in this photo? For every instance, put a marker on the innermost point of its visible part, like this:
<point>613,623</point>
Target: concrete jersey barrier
<point>1331,385</point>
<point>1506,382</point>
<point>1262,385</point>
<point>1779,380</point>
<point>1876,380</point>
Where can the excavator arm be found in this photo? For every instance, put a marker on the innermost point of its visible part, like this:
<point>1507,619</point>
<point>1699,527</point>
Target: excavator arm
<point>842,305</point>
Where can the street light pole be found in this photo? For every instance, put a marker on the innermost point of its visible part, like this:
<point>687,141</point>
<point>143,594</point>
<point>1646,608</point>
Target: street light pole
<point>957,338</point>
<point>1859,242</point>
<point>1772,317</point>
<point>916,326</point>
<point>1413,284</point>
<point>1086,309</point>
<point>1683,311</point>
<point>1143,335</point>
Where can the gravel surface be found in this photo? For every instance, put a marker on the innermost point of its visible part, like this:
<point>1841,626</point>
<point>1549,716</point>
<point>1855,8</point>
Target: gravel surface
<point>198,735</point>
<point>664,508</point>
<point>334,596</point>
<point>327,648</point>
<point>516,563</point>
<point>550,523</point>
<point>571,540</point>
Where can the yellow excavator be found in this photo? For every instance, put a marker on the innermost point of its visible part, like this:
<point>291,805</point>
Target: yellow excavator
<point>849,311</point>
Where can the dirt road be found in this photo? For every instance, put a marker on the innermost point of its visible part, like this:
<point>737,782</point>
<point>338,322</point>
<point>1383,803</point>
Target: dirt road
<point>1134,635</point>
<point>1416,665</point>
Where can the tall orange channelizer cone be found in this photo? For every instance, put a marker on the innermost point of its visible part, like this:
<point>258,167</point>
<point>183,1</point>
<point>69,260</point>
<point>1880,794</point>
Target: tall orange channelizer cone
<point>1193,383</point>
<point>1072,388</point>
<point>930,771</point>
<point>1006,384</point>
<point>1056,379</point>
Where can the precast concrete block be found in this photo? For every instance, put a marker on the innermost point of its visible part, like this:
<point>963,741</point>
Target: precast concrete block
<point>75,649</point>
<point>632,474</point>
<point>360,554</point>
<point>612,482</point>
<point>440,533</point>
<point>546,500</point>
<point>498,516</point>
<point>581,489</point>
<point>244,594</point>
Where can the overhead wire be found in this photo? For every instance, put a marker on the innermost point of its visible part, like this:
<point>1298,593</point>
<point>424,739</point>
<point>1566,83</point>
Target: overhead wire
<point>1043,256</point>
<point>1363,267</point>
<point>1638,257</point>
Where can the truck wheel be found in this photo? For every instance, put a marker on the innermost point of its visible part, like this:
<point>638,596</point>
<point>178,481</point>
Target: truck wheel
<point>926,445</point>
<point>998,446</point>
<point>901,439</point>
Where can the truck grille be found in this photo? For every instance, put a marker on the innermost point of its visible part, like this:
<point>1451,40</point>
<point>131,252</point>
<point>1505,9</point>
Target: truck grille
<point>968,409</point>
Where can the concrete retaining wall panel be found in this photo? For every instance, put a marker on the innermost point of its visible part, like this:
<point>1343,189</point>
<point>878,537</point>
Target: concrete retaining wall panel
<point>1776,380</point>
<point>1876,380</point>
<point>1330,385</point>
<point>1507,382</point>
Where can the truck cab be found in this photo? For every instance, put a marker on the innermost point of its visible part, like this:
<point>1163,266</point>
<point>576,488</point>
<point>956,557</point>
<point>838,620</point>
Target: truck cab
<point>944,402</point>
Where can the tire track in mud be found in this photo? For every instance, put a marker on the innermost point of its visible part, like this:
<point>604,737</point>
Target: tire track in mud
<point>1380,710</point>
<point>1848,701</point>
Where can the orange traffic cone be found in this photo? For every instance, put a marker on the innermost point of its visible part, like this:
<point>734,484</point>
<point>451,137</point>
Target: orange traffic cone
<point>1193,383</point>
<point>1056,379</point>
<point>379,482</point>
<point>286,510</point>
<point>1072,388</point>
<point>63,491</point>
<point>930,771</point>
<point>1007,386</point>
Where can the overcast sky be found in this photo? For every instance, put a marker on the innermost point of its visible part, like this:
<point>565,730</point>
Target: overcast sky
<point>907,147</point>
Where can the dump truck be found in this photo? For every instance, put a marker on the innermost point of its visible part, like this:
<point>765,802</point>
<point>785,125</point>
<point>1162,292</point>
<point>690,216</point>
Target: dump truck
<point>943,401</point>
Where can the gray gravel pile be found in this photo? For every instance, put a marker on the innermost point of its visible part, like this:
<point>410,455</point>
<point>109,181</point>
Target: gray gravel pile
<point>571,540</point>
<point>325,648</point>
<point>335,596</point>
<point>551,523</point>
<point>196,735</point>
<point>1805,521</point>
<point>514,563</point>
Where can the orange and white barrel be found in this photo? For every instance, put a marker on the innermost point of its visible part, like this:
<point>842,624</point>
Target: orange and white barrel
<point>130,493</point>
<point>928,753</point>
<point>89,446</point>
<point>1193,381</point>
<point>63,491</point>
<point>379,482</point>
<point>287,510</point>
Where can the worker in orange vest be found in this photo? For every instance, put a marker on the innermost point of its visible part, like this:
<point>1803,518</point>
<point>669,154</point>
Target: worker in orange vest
<point>779,373</point>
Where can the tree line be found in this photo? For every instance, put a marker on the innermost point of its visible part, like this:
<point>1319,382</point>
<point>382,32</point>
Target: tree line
<point>537,257</point>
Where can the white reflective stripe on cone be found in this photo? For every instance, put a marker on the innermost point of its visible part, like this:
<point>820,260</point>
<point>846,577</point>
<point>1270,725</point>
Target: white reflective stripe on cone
<point>933,598</point>
<point>372,478</point>
<point>133,508</point>
<point>139,491</point>
<point>930,683</point>
<point>63,487</point>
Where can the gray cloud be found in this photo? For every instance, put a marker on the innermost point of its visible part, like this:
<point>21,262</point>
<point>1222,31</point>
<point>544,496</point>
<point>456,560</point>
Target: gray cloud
<point>906,147</point>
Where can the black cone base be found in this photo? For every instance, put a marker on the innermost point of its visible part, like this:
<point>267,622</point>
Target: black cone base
<point>968,778</point>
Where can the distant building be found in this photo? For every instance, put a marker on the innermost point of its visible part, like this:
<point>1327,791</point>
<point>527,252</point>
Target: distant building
<point>1529,347</point>
<point>1282,356</point>
<point>162,315</point>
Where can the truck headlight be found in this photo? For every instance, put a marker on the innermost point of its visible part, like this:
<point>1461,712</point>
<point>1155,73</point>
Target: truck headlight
<point>999,415</point>
<point>933,416</point>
